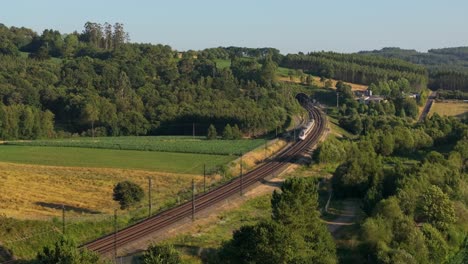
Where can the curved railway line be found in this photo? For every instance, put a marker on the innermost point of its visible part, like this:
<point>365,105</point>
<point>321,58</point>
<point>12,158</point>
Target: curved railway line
<point>109,243</point>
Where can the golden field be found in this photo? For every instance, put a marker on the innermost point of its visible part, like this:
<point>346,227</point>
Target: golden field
<point>36,191</point>
<point>450,108</point>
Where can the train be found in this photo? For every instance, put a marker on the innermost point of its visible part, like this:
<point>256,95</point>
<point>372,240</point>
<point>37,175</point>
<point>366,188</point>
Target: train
<point>306,130</point>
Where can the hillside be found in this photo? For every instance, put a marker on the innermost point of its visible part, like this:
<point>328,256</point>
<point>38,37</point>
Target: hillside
<point>98,83</point>
<point>448,67</point>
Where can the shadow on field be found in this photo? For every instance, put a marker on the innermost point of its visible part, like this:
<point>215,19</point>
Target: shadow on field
<point>5,255</point>
<point>204,253</point>
<point>276,184</point>
<point>67,208</point>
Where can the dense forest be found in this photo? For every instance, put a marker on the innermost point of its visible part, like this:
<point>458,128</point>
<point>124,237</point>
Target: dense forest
<point>448,67</point>
<point>356,68</point>
<point>98,83</point>
<point>410,178</point>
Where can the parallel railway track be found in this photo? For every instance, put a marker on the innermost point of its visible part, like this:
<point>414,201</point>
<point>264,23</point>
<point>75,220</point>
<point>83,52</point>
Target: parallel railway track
<point>106,245</point>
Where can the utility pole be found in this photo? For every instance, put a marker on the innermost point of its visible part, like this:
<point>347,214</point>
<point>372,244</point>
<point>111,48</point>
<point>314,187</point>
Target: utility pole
<point>204,177</point>
<point>337,99</point>
<point>149,197</point>
<point>63,219</point>
<point>115,235</point>
<point>193,200</point>
<point>241,174</point>
<point>266,148</point>
<point>193,129</point>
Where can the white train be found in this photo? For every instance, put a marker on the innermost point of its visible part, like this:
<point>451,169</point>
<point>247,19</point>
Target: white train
<point>306,130</point>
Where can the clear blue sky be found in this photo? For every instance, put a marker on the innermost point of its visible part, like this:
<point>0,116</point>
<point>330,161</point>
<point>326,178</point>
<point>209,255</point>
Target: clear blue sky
<point>291,26</point>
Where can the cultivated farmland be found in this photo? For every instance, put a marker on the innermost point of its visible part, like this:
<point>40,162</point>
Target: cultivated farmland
<point>109,158</point>
<point>181,144</point>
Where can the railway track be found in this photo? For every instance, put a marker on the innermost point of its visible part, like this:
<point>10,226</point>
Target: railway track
<point>110,243</point>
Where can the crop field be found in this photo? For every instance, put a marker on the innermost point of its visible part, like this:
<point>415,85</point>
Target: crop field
<point>283,76</point>
<point>109,158</point>
<point>182,144</point>
<point>36,191</point>
<point>31,199</point>
<point>453,108</point>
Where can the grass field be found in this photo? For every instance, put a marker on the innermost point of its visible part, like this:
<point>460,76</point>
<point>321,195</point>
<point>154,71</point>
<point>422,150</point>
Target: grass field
<point>108,158</point>
<point>455,108</point>
<point>35,191</point>
<point>182,144</point>
<point>354,86</point>
<point>221,64</point>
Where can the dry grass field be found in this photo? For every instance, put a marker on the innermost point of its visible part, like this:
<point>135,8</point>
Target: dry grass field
<point>354,87</point>
<point>450,108</point>
<point>36,191</point>
<point>31,191</point>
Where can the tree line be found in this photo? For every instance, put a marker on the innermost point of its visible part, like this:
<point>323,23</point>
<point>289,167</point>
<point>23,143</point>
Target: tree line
<point>447,67</point>
<point>362,69</point>
<point>96,83</point>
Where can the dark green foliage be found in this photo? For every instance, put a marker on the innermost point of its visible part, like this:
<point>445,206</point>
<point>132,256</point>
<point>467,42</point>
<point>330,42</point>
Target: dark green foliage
<point>127,194</point>
<point>447,67</point>
<point>456,94</point>
<point>211,134</point>
<point>391,237</point>
<point>361,171</point>
<point>25,122</point>
<point>294,235</point>
<point>436,244</point>
<point>227,132</point>
<point>356,68</point>
<point>436,208</point>
<point>65,251</point>
<point>297,202</point>
<point>330,151</point>
<point>161,254</point>
<point>236,133</point>
<point>96,79</point>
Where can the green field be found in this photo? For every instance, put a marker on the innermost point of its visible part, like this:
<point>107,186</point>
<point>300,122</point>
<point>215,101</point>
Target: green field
<point>182,144</point>
<point>222,64</point>
<point>108,158</point>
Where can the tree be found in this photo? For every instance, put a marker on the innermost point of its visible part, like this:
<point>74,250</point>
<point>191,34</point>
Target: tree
<point>436,244</point>
<point>294,235</point>
<point>236,133</point>
<point>161,254</point>
<point>436,208</point>
<point>212,134</point>
<point>127,194</point>
<point>227,132</point>
<point>65,251</point>
<point>297,202</point>
<point>91,113</point>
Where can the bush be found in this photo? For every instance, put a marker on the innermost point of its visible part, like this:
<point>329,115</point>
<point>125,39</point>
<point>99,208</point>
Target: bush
<point>127,194</point>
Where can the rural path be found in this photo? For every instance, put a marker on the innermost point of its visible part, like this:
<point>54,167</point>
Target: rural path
<point>427,107</point>
<point>346,215</point>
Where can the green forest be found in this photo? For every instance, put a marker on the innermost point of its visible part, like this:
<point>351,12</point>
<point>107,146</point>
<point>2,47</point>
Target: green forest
<point>98,83</point>
<point>448,67</point>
